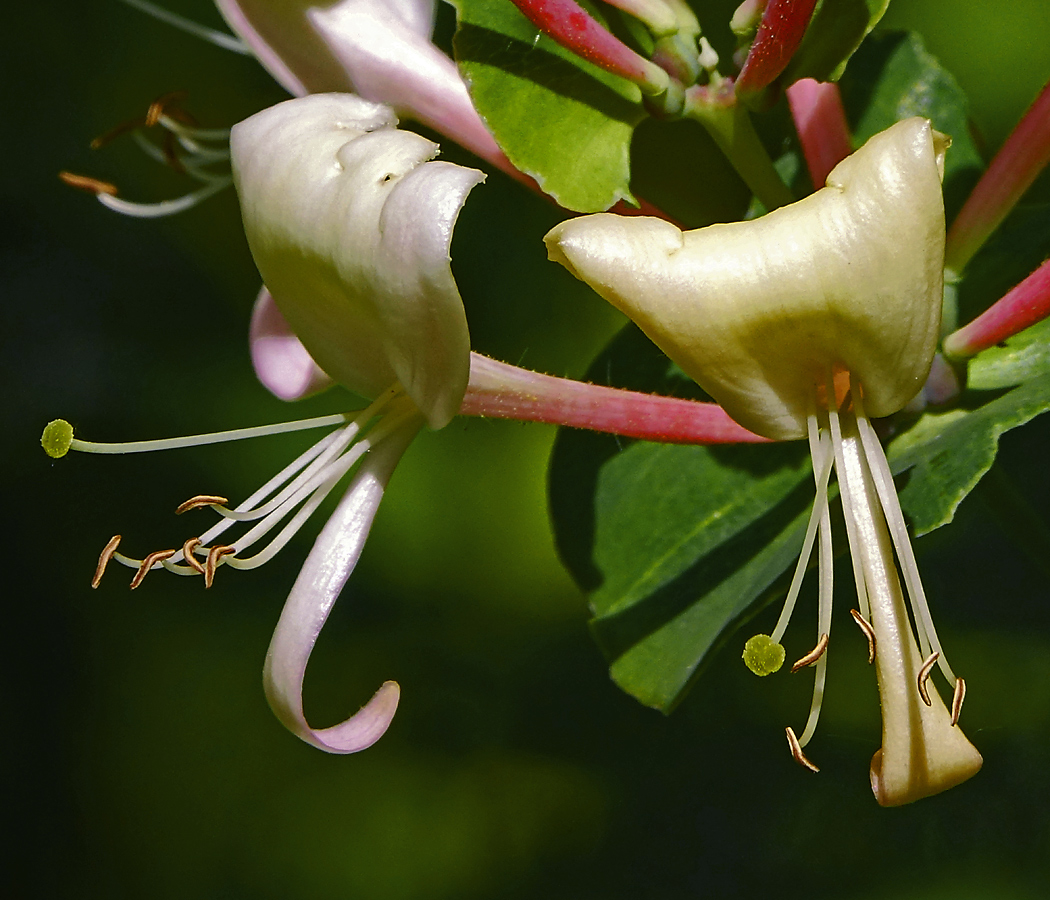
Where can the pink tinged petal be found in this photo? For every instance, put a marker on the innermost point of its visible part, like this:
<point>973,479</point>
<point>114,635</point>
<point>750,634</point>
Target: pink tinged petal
<point>326,570</point>
<point>1025,305</point>
<point>285,41</point>
<point>1024,155</point>
<point>820,121</point>
<point>502,391</point>
<point>779,34</point>
<point>281,362</point>
<point>389,63</point>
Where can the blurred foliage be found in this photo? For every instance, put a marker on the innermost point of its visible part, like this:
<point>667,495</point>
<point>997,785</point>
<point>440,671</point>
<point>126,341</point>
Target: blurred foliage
<point>140,757</point>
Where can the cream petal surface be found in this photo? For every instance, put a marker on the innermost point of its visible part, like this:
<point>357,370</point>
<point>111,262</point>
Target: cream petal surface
<point>758,312</point>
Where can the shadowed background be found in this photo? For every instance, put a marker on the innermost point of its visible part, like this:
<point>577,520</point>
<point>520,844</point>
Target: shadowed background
<point>142,759</point>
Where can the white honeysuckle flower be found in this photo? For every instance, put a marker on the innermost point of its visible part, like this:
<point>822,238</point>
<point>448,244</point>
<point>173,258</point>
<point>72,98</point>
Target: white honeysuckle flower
<point>333,222</point>
<point>350,224</point>
<point>802,324</point>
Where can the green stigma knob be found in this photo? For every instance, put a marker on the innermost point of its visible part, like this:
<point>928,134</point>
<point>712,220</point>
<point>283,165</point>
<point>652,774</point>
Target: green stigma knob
<point>763,655</point>
<point>57,438</point>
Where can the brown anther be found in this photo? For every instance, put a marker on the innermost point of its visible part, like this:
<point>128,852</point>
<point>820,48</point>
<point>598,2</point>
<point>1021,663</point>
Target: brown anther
<point>813,655</point>
<point>924,674</point>
<point>148,563</point>
<point>201,500</point>
<point>191,560</point>
<point>215,554</point>
<point>87,183</point>
<point>869,632</point>
<point>103,559</point>
<point>957,699</point>
<point>796,751</point>
<point>159,106</point>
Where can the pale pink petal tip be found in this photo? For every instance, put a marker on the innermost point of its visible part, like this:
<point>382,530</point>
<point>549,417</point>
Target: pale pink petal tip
<point>281,362</point>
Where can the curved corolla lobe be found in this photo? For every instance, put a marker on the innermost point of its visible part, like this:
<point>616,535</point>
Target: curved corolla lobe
<point>350,224</point>
<point>759,312</point>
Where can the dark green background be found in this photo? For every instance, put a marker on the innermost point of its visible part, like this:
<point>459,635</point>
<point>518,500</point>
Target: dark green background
<point>141,759</point>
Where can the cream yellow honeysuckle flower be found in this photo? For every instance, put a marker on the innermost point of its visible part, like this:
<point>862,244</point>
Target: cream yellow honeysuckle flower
<point>802,324</point>
<point>757,312</point>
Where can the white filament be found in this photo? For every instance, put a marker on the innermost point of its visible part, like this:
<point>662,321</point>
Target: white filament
<point>218,38</point>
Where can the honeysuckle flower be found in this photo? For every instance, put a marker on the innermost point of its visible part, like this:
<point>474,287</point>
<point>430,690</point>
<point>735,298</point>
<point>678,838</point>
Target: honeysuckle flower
<point>804,323</point>
<point>350,222</point>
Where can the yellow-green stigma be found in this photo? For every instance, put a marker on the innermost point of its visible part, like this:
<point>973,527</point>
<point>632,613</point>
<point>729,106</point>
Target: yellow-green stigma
<point>763,655</point>
<point>57,438</point>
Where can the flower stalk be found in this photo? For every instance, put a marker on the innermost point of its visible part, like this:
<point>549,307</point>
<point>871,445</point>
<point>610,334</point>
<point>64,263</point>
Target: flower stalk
<point>1020,308</point>
<point>1022,157</point>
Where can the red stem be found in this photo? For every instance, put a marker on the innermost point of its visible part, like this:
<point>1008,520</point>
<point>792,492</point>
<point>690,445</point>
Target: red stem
<point>503,391</point>
<point>1016,165</point>
<point>1025,305</point>
<point>574,28</point>
<point>779,34</point>
<point>820,121</point>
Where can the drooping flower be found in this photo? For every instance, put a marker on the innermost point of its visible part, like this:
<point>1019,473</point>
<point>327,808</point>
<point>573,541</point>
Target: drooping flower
<point>804,323</point>
<point>350,222</point>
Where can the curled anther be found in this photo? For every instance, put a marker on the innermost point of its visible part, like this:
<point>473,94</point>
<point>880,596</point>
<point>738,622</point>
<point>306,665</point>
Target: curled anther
<point>957,699</point>
<point>869,632</point>
<point>215,555</point>
<point>161,105</point>
<point>191,560</point>
<point>796,751</point>
<point>813,655</point>
<point>148,563</point>
<point>103,559</point>
<point>87,183</point>
<point>924,674</point>
<point>201,500</point>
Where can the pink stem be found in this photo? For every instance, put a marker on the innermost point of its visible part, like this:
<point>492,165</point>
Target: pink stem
<point>503,391</point>
<point>779,34</point>
<point>1016,165</point>
<point>820,121</point>
<point>574,28</point>
<point>1025,305</point>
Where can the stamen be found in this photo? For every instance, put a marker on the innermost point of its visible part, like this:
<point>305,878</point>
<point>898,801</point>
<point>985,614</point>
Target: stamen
<point>219,38</point>
<point>200,500</point>
<point>87,183</point>
<point>187,554</point>
<point>822,472</point>
<point>796,751</point>
<point>957,699</point>
<point>891,507</point>
<point>215,555</point>
<point>148,563</point>
<point>924,674</point>
<point>157,107</point>
<point>813,655</point>
<point>103,560</point>
<point>845,493</point>
<point>869,633</point>
<point>164,207</point>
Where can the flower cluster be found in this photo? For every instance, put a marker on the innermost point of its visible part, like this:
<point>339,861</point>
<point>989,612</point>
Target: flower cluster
<point>803,323</point>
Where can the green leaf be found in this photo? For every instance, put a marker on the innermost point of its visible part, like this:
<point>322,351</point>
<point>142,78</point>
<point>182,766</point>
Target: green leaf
<point>675,543</point>
<point>894,77</point>
<point>833,36</point>
<point>949,452</point>
<point>560,119</point>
